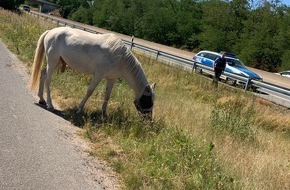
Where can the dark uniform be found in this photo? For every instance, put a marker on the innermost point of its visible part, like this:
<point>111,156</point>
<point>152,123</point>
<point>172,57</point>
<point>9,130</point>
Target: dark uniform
<point>219,67</point>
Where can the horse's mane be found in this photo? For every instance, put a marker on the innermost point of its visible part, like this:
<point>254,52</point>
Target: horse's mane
<point>129,62</point>
<point>133,66</point>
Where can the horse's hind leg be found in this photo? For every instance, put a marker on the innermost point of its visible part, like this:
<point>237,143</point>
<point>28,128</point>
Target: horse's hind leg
<point>51,65</point>
<point>95,81</point>
<point>110,84</point>
<point>41,87</point>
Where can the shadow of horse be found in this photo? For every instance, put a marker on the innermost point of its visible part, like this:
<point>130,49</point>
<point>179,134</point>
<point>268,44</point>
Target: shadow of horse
<point>117,118</point>
<point>80,120</point>
<point>95,118</point>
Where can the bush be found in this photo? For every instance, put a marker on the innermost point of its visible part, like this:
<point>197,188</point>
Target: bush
<point>285,61</point>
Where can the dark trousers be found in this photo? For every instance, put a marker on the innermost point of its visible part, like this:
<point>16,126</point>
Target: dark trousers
<point>217,74</point>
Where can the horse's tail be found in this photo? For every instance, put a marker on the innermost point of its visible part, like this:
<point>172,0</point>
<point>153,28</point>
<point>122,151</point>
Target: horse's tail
<point>38,61</point>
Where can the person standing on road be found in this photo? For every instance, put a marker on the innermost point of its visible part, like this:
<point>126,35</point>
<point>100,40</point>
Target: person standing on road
<point>218,68</point>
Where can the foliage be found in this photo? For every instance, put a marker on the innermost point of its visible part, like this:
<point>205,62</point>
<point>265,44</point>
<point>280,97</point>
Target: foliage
<point>10,4</point>
<point>81,15</point>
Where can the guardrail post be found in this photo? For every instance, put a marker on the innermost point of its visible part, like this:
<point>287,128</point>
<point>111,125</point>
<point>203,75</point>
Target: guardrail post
<point>157,55</point>
<point>248,84</point>
<point>193,67</point>
<point>132,41</point>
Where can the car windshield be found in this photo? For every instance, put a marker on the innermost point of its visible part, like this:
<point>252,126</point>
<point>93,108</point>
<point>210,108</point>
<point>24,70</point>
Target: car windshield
<point>285,73</point>
<point>234,62</point>
<point>208,55</point>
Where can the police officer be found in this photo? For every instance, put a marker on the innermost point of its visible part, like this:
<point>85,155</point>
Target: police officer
<point>219,67</point>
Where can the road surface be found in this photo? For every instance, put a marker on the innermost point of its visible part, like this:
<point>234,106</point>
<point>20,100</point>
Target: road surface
<point>39,150</point>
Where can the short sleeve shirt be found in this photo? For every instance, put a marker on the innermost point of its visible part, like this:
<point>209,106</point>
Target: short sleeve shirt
<point>220,63</point>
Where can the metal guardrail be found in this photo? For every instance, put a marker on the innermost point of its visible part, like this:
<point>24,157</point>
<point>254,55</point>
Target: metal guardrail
<point>185,62</point>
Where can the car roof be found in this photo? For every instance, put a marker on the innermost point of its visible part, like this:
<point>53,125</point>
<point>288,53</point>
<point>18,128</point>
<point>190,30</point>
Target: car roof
<point>212,52</point>
<point>216,53</point>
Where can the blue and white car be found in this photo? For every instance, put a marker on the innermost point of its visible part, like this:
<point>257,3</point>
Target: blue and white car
<point>234,65</point>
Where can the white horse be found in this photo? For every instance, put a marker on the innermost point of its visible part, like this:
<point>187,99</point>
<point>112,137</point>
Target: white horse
<point>103,55</point>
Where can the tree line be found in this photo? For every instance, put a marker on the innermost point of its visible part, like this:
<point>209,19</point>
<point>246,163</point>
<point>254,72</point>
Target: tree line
<point>10,4</point>
<point>258,33</point>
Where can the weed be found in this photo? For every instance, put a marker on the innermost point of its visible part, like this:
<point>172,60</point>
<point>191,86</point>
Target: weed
<point>234,118</point>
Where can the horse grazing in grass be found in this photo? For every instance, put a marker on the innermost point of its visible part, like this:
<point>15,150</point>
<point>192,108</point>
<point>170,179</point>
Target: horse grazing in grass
<point>103,55</point>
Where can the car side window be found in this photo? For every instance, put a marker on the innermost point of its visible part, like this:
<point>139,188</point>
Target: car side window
<point>230,62</point>
<point>201,54</point>
<point>215,57</point>
<point>211,56</point>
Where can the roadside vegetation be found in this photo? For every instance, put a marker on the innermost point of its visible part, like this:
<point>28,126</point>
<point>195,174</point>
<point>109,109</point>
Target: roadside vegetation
<point>201,137</point>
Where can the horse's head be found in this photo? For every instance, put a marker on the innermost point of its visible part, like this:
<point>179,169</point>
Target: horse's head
<point>145,103</point>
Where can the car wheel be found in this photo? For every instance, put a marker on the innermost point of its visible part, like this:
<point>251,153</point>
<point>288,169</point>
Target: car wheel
<point>254,88</point>
<point>231,82</point>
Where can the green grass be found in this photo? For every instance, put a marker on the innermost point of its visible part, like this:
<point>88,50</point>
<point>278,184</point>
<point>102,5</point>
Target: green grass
<point>201,137</point>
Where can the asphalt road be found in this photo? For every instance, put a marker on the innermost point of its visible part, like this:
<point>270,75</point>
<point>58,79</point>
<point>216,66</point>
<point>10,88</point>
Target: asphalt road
<point>39,150</point>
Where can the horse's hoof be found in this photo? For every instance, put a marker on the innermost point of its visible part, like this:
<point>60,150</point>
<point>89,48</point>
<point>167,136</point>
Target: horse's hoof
<point>42,102</point>
<point>51,109</point>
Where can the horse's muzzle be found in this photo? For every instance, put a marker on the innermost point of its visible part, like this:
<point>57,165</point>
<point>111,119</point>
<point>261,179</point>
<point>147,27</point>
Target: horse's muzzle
<point>145,114</point>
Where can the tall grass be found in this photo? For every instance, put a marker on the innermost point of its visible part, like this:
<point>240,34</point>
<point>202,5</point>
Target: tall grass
<point>201,137</point>
<point>233,118</point>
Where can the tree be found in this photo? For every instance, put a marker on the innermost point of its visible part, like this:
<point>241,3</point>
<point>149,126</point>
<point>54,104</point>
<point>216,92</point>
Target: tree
<point>188,21</point>
<point>159,23</point>
<point>10,4</point>
<point>68,7</point>
<point>282,39</point>
<point>82,15</point>
<point>223,24</point>
<point>259,38</point>
<point>217,32</point>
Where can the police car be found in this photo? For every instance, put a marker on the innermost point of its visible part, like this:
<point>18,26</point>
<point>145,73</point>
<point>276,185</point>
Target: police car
<point>234,65</point>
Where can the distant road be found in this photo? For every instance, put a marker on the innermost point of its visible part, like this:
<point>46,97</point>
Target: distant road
<point>39,150</point>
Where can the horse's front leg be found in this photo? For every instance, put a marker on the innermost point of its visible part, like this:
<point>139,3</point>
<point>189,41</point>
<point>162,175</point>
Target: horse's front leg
<point>95,81</point>
<point>110,84</point>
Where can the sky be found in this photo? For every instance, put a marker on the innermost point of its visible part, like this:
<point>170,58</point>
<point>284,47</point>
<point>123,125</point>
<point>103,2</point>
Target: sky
<point>287,2</point>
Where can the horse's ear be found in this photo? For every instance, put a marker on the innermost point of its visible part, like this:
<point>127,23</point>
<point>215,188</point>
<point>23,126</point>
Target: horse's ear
<point>148,89</point>
<point>153,86</point>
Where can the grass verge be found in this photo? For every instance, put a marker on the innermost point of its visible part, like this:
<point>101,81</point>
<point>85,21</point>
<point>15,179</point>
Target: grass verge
<point>201,137</point>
